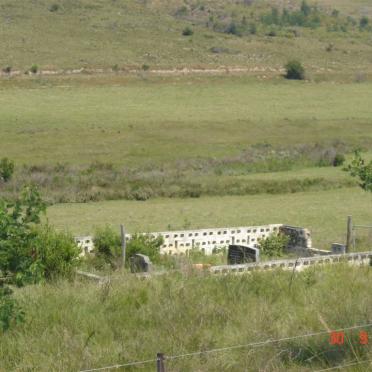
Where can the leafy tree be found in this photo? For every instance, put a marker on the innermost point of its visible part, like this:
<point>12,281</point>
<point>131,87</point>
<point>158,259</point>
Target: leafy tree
<point>294,70</point>
<point>362,170</point>
<point>29,252</point>
<point>273,245</point>
<point>6,169</point>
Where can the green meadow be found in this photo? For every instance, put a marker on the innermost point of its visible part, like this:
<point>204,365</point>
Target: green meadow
<point>144,121</point>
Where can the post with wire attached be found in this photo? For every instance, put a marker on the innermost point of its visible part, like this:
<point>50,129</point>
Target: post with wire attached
<point>123,245</point>
<point>349,233</point>
<point>160,366</point>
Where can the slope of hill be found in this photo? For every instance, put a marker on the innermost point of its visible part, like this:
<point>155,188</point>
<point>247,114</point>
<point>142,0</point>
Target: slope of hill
<point>121,34</point>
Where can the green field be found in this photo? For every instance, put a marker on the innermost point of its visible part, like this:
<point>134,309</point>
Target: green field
<point>323,212</point>
<point>132,122</point>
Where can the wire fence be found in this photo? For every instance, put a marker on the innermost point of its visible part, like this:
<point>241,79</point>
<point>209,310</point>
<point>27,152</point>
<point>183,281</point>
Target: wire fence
<point>160,358</point>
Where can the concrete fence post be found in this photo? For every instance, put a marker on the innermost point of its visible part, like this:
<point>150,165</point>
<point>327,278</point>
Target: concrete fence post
<point>160,366</point>
<point>349,233</point>
<point>123,245</point>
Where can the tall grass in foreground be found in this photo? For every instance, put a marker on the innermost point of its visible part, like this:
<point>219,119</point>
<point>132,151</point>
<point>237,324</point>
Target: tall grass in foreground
<point>77,325</point>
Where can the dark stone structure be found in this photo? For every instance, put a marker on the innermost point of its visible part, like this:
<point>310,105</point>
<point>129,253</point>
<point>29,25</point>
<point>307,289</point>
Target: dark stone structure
<point>240,254</point>
<point>139,263</point>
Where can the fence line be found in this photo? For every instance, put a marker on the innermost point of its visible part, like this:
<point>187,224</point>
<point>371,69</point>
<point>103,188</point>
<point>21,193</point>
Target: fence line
<point>252,344</point>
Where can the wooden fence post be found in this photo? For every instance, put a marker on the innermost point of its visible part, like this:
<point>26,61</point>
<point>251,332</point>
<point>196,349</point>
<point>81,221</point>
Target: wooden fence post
<point>160,367</point>
<point>123,245</point>
<point>349,233</point>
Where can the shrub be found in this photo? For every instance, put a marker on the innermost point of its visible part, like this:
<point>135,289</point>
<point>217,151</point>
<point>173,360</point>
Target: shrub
<point>10,312</point>
<point>107,245</point>
<point>362,170</point>
<point>6,169</point>
<point>34,68</point>
<point>145,244</point>
<point>339,160</point>
<point>294,70</point>
<point>54,8</point>
<point>56,253</point>
<point>187,31</point>
<point>273,245</point>
<point>233,29</point>
<point>363,22</point>
<point>7,69</point>
<point>145,67</point>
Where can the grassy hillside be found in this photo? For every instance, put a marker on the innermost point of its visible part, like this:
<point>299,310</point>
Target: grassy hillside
<point>77,326</point>
<point>68,34</point>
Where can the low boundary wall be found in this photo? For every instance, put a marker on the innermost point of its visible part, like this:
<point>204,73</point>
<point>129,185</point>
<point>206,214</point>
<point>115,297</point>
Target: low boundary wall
<point>295,264</point>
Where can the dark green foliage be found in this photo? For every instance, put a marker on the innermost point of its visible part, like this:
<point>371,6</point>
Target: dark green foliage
<point>274,245</point>
<point>145,67</point>
<point>187,31</point>
<point>233,29</point>
<point>30,253</point>
<point>107,245</point>
<point>56,253</point>
<point>145,244</point>
<point>182,11</point>
<point>306,16</point>
<point>34,68</point>
<point>10,312</point>
<point>360,169</point>
<point>363,23</point>
<point>339,160</point>
<point>7,69</point>
<point>294,70</point>
<point>54,8</point>
<point>6,169</point>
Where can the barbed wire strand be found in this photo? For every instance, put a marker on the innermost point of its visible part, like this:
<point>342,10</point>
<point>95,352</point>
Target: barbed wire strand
<point>345,365</point>
<point>252,344</point>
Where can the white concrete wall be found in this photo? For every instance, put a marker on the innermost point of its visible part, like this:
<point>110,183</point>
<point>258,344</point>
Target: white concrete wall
<point>85,243</point>
<point>180,242</point>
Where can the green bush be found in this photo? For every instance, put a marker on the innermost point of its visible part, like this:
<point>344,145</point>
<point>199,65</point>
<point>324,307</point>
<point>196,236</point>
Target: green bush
<point>339,160</point>
<point>107,245</point>
<point>187,31</point>
<point>273,245</point>
<point>294,70</point>
<point>363,23</point>
<point>7,69</point>
<point>56,253</point>
<point>29,252</point>
<point>10,312</point>
<point>54,8</point>
<point>34,68</point>
<point>145,244</point>
<point>6,169</point>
